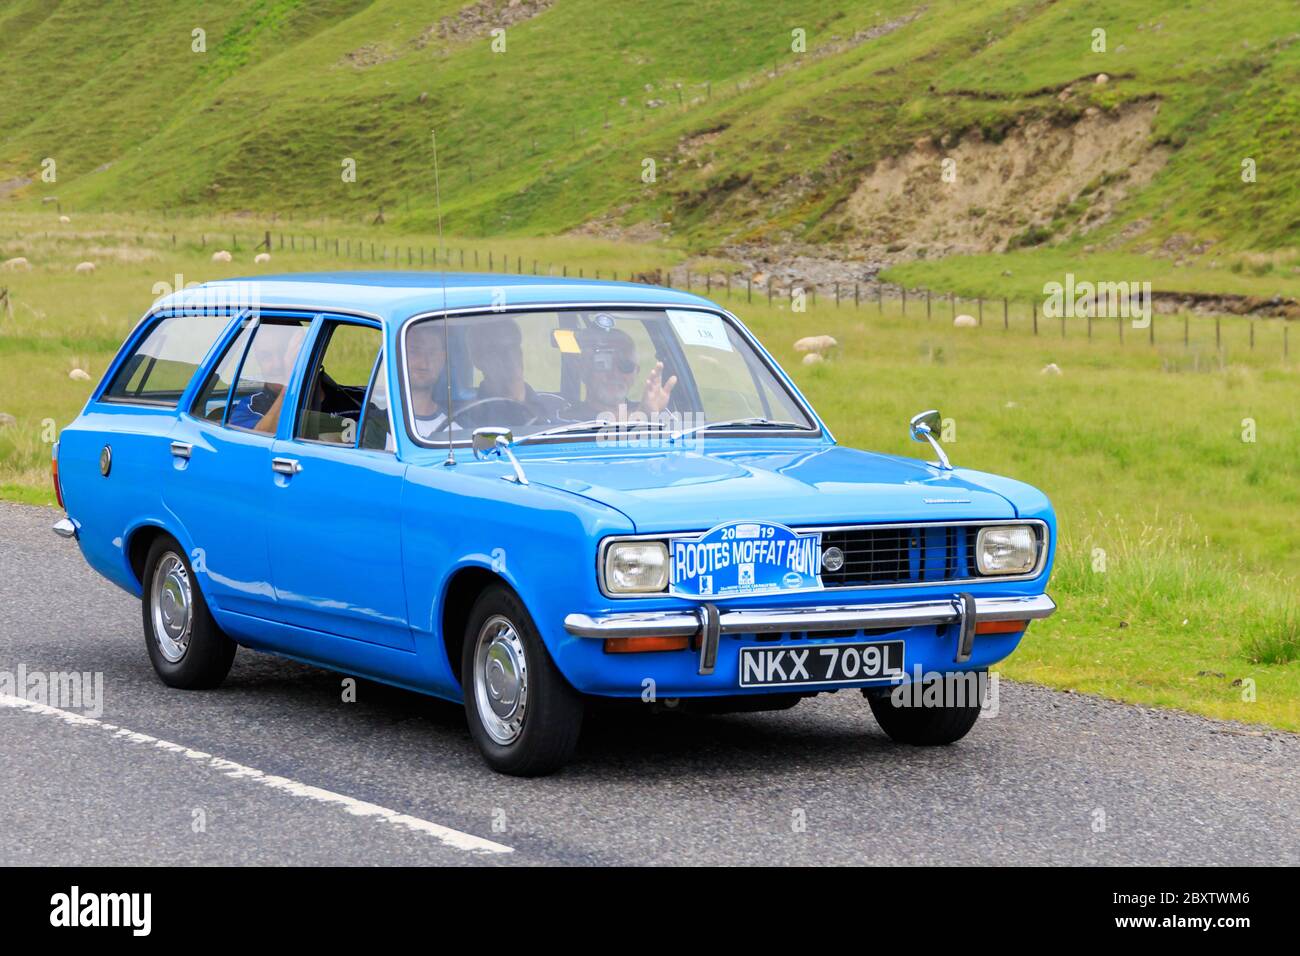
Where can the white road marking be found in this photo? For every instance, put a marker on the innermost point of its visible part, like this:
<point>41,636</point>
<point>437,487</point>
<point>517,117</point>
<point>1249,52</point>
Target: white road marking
<point>360,808</point>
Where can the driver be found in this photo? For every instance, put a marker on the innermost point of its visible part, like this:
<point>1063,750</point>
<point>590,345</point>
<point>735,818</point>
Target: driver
<point>496,347</point>
<point>608,367</point>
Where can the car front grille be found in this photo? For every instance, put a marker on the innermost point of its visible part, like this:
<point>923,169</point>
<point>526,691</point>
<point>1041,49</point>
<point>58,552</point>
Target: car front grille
<point>916,554</point>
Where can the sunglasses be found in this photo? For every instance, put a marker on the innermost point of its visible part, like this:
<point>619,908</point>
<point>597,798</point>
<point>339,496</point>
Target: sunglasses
<point>604,360</point>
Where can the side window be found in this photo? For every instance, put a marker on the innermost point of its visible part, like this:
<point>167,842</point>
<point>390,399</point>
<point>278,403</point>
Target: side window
<point>210,404</point>
<point>376,424</point>
<point>338,382</point>
<point>166,359</point>
<point>259,393</point>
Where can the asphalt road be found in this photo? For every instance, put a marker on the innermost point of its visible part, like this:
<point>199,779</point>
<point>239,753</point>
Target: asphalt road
<point>275,768</point>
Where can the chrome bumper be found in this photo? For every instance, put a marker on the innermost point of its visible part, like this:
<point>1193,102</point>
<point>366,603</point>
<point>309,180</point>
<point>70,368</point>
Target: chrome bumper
<point>689,623</point>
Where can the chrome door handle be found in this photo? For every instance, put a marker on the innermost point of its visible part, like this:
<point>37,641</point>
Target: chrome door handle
<point>286,466</point>
<point>182,449</point>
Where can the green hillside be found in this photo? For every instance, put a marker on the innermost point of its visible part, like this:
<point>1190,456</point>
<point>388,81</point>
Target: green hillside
<point>752,141</point>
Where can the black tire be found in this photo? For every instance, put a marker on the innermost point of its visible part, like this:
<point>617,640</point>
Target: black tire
<point>205,659</point>
<point>925,726</point>
<point>547,726</point>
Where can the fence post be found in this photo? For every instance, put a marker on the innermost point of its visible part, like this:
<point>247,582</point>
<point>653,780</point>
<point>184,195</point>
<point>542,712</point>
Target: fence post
<point>952,304</point>
<point>1185,331</point>
<point>1033,307</point>
<point>927,303</point>
<point>1218,338</point>
<point>1006,315</point>
<point>979,305</point>
<point>837,295</point>
<point>1151,330</point>
<point>749,288</point>
<point>903,290</point>
<point>855,295</point>
<point>880,297</point>
<point>1252,335</point>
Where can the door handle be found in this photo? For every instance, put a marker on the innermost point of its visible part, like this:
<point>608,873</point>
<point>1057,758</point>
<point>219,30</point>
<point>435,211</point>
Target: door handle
<point>286,466</point>
<point>181,449</point>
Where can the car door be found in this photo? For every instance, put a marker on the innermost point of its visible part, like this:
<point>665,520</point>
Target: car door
<point>335,512</point>
<point>220,484</point>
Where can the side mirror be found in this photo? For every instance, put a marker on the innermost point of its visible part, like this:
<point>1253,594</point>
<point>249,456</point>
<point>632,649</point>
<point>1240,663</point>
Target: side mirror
<point>926,423</point>
<point>487,440</point>
<point>925,426</point>
<point>497,441</point>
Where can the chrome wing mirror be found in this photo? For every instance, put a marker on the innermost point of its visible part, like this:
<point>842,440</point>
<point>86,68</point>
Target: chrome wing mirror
<point>925,426</point>
<point>497,441</point>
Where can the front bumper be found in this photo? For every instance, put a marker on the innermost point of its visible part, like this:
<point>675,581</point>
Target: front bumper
<point>708,623</point>
<point>692,623</point>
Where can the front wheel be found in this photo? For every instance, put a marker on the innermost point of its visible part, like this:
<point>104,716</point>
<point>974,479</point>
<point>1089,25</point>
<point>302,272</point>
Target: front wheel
<point>930,719</point>
<point>186,647</point>
<point>522,713</point>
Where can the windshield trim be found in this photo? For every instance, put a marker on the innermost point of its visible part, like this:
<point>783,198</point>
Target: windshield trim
<point>818,428</point>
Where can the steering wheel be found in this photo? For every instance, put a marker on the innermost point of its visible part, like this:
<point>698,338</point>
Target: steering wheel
<point>529,418</point>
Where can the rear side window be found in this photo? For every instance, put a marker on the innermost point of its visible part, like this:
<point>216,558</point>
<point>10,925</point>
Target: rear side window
<point>166,359</point>
<point>212,398</point>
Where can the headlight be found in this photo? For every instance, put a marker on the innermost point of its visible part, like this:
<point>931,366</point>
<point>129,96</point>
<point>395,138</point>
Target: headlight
<point>1012,549</point>
<point>636,567</point>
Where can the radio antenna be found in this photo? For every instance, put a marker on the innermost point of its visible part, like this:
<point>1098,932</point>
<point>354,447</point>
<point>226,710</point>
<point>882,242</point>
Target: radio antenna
<point>446,320</point>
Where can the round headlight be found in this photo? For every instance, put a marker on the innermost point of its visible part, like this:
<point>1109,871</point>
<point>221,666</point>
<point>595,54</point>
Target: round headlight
<point>1012,549</point>
<point>636,567</point>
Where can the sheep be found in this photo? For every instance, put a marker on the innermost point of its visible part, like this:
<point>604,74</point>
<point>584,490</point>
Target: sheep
<point>221,255</point>
<point>261,257</point>
<point>964,322</point>
<point>85,268</point>
<point>815,343</point>
<point>16,264</point>
<point>77,375</point>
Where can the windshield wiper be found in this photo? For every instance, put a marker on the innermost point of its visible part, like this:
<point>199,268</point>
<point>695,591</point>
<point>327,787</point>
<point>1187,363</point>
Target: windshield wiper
<point>595,424</point>
<point>756,421</point>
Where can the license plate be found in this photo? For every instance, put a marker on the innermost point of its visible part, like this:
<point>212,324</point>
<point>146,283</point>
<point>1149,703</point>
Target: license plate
<point>786,666</point>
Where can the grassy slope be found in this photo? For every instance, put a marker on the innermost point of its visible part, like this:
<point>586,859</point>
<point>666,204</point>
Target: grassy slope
<point>269,112</point>
<point>1140,448</point>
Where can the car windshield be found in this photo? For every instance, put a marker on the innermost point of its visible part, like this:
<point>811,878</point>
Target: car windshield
<point>578,372</point>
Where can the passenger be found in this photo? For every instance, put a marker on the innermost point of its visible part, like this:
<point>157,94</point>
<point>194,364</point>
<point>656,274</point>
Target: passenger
<point>426,363</point>
<point>608,368</point>
<point>274,350</point>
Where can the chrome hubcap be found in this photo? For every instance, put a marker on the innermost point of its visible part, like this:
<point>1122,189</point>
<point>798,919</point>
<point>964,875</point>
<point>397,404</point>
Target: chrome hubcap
<point>172,607</point>
<point>500,679</point>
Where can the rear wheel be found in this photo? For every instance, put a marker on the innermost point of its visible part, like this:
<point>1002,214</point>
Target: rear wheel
<point>185,646</point>
<point>522,713</point>
<point>912,721</point>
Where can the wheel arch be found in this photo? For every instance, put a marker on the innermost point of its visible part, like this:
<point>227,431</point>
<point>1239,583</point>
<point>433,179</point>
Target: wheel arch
<point>462,590</point>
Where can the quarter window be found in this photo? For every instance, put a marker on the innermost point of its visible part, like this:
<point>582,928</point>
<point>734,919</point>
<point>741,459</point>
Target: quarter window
<point>161,367</point>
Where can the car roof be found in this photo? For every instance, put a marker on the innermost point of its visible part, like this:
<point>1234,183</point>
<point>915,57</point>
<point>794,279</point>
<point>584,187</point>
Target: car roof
<point>394,296</point>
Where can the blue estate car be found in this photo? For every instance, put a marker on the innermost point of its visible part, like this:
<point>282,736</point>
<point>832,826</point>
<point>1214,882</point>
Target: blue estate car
<point>526,493</point>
